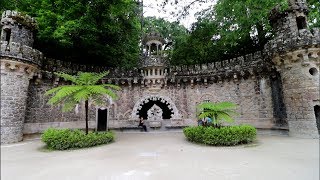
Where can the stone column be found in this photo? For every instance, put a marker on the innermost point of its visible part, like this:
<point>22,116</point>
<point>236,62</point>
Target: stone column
<point>300,77</point>
<point>15,78</point>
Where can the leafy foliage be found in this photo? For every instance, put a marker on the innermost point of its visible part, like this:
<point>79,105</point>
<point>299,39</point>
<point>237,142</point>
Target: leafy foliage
<point>218,112</point>
<point>107,32</point>
<point>314,13</point>
<point>230,28</point>
<point>224,136</point>
<point>62,139</point>
<point>96,31</point>
<point>84,87</point>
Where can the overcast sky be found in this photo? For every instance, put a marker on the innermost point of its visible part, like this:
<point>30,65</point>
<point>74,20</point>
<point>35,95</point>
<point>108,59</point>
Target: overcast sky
<point>152,8</point>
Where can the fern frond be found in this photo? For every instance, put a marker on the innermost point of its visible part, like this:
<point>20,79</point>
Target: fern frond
<point>225,117</point>
<point>83,94</point>
<point>51,91</point>
<point>99,89</point>
<point>99,76</point>
<point>67,77</point>
<point>63,93</point>
<point>217,111</point>
<point>115,87</point>
<point>69,104</point>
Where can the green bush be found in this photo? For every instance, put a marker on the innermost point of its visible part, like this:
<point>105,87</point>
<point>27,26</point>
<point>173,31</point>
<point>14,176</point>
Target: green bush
<point>62,139</point>
<point>224,136</point>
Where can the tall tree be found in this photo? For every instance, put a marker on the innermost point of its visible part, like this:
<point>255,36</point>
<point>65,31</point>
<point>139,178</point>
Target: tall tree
<point>96,31</point>
<point>84,88</point>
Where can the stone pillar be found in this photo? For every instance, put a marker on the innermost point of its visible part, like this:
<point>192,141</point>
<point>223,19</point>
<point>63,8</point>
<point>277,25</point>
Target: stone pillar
<point>15,78</point>
<point>300,77</point>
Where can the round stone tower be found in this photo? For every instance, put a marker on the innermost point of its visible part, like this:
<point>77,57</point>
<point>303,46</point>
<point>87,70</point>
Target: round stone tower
<point>295,51</point>
<point>19,63</point>
<point>153,61</point>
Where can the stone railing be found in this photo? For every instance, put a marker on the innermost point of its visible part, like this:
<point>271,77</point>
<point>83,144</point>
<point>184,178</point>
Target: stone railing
<point>250,64</point>
<point>286,42</point>
<point>243,66</point>
<point>53,65</point>
<point>21,52</point>
<point>153,61</point>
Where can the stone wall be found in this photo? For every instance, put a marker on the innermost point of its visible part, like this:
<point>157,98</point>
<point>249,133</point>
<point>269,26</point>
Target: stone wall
<point>300,77</point>
<point>40,116</point>
<point>14,90</point>
<point>252,95</point>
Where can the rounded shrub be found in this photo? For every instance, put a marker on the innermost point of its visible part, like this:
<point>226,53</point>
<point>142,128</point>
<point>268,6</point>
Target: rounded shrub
<point>224,136</point>
<point>62,139</point>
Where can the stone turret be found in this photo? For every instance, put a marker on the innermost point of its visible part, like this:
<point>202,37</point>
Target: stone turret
<point>153,62</point>
<point>19,63</point>
<point>295,52</point>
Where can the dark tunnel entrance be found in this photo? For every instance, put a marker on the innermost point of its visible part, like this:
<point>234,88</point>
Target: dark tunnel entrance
<point>167,113</point>
<point>317,114</point>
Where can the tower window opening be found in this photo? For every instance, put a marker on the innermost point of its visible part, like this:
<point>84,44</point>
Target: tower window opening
<point>153,49</point>
<point>6,34</point>
<point>301,22</point>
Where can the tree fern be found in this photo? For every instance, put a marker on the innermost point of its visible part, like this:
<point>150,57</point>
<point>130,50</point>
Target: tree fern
<point>85,88</point>
<point>218,112</point>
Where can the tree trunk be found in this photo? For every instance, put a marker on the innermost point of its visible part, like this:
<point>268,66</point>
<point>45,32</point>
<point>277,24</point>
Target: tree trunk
<point>86,107</point>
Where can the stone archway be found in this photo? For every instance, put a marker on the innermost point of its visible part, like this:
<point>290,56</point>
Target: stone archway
<point>162,99</point>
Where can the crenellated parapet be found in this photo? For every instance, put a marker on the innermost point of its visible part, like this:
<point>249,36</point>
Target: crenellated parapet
<point>291,41</point>
<point>11,18</point>
<point>251,65</point>
<point>17,27</point>
<point>20,52</point>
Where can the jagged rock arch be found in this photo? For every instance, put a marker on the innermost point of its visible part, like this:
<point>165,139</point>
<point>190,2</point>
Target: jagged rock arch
<point>175,113</point>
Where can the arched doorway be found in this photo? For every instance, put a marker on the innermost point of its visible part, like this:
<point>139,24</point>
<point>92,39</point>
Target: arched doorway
<point>166,112</point>
<point>169,110</point>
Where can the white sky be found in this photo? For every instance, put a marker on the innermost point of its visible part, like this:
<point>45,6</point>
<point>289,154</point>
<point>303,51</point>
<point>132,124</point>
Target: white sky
<point>152,8</point>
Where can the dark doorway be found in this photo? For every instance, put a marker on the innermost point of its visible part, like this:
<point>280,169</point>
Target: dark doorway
<point>6,34</point>
<point>317,113</point>
<point>102,119</point>
<point>301,22</point>
<point>145,107</point>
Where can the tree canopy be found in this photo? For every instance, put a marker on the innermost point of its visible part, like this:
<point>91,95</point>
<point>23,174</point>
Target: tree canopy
<point>108,32</point>
<point>96,31</point>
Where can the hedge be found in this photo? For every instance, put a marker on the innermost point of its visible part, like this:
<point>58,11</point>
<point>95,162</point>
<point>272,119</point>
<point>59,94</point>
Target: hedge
<point>224,136</point>
<point>62,139</point>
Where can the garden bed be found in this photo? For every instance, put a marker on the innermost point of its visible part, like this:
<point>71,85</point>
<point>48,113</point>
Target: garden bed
<point>223,136</point>
<point>62,139</point>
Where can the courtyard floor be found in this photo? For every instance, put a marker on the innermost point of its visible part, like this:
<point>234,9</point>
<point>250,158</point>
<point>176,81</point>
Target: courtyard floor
<point>164,156</point>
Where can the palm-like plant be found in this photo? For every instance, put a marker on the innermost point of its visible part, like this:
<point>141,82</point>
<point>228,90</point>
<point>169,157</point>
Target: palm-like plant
<point>84,87</point>
<point>218,112</point>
